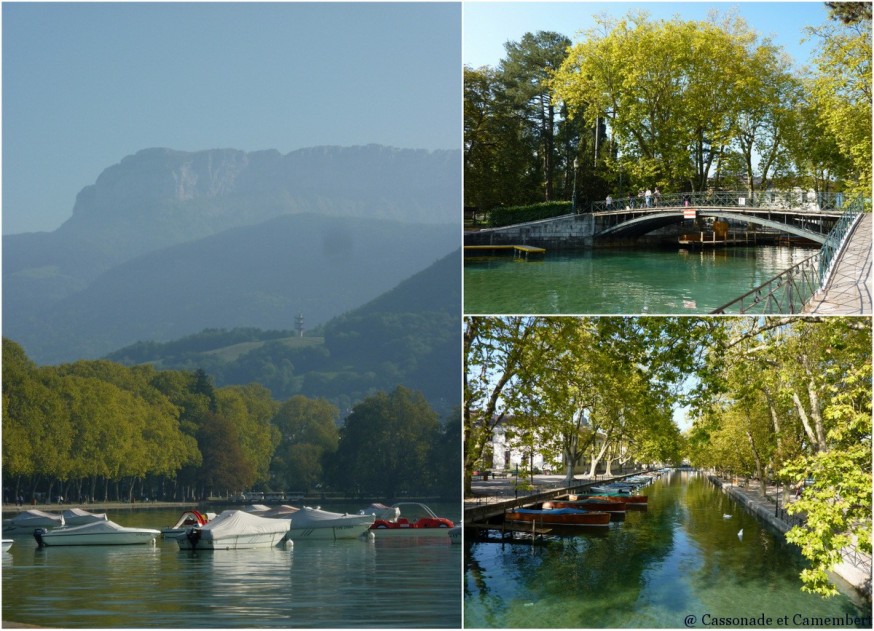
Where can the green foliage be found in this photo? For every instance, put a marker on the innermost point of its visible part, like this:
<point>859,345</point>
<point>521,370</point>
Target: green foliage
<point>385,445</point>
<point>309,435</point>
<point>533,212</point>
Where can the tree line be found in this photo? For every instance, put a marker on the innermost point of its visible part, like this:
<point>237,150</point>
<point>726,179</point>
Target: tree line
<point>98,430</point>
<point>773,399</point>
<point>679,105</point>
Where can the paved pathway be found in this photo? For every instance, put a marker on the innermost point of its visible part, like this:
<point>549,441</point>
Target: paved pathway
<point>848,292</point>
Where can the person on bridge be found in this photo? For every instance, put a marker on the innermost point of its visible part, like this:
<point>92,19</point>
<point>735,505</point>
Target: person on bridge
<point>648,196</point>
<point>609,202</point>
<point>656,196</point>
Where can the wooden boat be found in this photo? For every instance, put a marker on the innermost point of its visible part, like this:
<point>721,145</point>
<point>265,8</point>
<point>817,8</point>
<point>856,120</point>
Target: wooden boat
<point>628,500</point>
<point>559,516</point>
<point>591,503</point>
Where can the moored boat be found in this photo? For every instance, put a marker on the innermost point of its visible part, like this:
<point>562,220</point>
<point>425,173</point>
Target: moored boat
<point>95,533</point>
<point>235,530</point>
<point>30,519</point>
<point>455,534</point>
<point>315,523</point>
<point>7,543</point>
<point>593,503</point>
<point>407,519</point>
<point>627,499</point>
<point>79,516</point>
<point>559,516</point>
<point>189,519</point>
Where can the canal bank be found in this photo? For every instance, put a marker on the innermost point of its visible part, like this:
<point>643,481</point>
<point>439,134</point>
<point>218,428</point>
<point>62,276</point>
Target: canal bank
<point>855,569</point>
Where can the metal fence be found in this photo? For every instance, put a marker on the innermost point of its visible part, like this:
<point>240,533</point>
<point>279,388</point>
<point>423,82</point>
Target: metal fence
<point>772,200</point>
<point>789,291</point>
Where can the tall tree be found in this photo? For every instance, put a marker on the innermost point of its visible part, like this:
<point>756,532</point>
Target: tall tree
<point>385,444</point>
<point>526,73</point>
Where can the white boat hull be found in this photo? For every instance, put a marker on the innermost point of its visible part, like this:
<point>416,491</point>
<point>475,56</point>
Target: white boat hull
<point>235,530</point>
<point>327,531</point>
<point>96,534</point>
<point>389,533</point>
<point>7,543</point>
<point>232,542</point>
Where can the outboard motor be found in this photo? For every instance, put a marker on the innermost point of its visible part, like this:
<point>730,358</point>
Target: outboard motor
<point>193,535</point>
<point>37,534</point>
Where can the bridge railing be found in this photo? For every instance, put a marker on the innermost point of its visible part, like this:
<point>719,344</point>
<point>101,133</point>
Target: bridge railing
<point>789,291</point>
<point>835,238</point>
<point>771,200</point>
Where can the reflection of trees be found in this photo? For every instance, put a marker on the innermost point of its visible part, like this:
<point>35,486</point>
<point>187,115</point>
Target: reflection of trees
<point>592,572</point>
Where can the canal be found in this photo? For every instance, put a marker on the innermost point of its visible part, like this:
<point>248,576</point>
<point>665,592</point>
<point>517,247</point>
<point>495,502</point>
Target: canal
<point>621,281</point>
<point>329,584</point>
<point>679,563</point>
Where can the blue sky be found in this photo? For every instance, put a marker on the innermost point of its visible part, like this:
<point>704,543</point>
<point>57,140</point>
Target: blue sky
<point>488,25</point>
<point>84,85</point>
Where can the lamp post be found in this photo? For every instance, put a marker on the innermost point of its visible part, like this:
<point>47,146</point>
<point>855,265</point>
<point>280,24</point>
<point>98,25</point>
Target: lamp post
<point>574,194</point>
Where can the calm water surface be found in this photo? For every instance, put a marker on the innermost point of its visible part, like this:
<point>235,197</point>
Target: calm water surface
<point>621,281</point>
<point>678,558</point>
<point>357,583</point>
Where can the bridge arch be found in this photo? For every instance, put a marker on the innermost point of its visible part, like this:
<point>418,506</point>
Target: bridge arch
<point>653,220</point>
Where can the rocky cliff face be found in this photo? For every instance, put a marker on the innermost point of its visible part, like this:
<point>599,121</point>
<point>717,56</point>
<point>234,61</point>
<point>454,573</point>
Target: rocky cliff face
<point>223,187</point>
<point>161,198</point>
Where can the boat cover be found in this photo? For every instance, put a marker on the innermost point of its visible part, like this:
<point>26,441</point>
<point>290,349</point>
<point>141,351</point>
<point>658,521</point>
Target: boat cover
<point>78,516</point>
<point>234,523</point>
<point>96,527</point>
<point>34,518</point>
<point>309,517</point>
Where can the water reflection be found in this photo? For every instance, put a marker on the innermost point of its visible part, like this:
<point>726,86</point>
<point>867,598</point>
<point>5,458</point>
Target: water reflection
<point>622,281</point>
<point>680,557</point>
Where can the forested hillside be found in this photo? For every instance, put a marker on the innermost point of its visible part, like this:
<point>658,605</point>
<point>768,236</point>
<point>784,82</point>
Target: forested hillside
<point>408,336</point>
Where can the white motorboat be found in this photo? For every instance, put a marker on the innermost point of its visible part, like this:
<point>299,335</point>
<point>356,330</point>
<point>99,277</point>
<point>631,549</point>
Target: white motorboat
<point>97,533</point>
<point>407,519</point>
<point>28,520</point>
<point>315,523</point>
<point>7,543</point>
<point>79,516</point>
<point>455,534</point>
<point>235,530</point>
<point>189,519</point>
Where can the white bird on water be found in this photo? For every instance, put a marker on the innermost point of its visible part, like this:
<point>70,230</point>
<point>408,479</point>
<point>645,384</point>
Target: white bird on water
<point>740,534</point>
<point>726,516</point>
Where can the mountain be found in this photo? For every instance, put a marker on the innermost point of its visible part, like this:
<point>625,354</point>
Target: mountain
<point>169,242</point>
<point>407,336</point>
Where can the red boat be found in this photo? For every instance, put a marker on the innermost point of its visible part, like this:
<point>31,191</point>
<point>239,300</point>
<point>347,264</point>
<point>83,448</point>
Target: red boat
<point>407,519</point>
<point>559,517</point>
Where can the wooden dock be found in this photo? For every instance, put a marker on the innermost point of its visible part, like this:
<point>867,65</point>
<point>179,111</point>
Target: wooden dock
<point>518,250</point>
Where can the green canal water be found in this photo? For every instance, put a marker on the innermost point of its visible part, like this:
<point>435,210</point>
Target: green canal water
<point>621,281</point>
<point>378,583</point>
<point>678,564</point>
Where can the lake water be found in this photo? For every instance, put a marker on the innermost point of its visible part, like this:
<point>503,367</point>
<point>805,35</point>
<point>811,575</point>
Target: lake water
<point>678,558</point>
<point>357,583</point>
<point>621,281</point>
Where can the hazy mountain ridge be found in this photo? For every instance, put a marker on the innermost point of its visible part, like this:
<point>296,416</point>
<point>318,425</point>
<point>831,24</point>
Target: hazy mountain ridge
<point>66,293</point>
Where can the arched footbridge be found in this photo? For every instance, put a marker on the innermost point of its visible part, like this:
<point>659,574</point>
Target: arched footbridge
<point>807,215</point>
